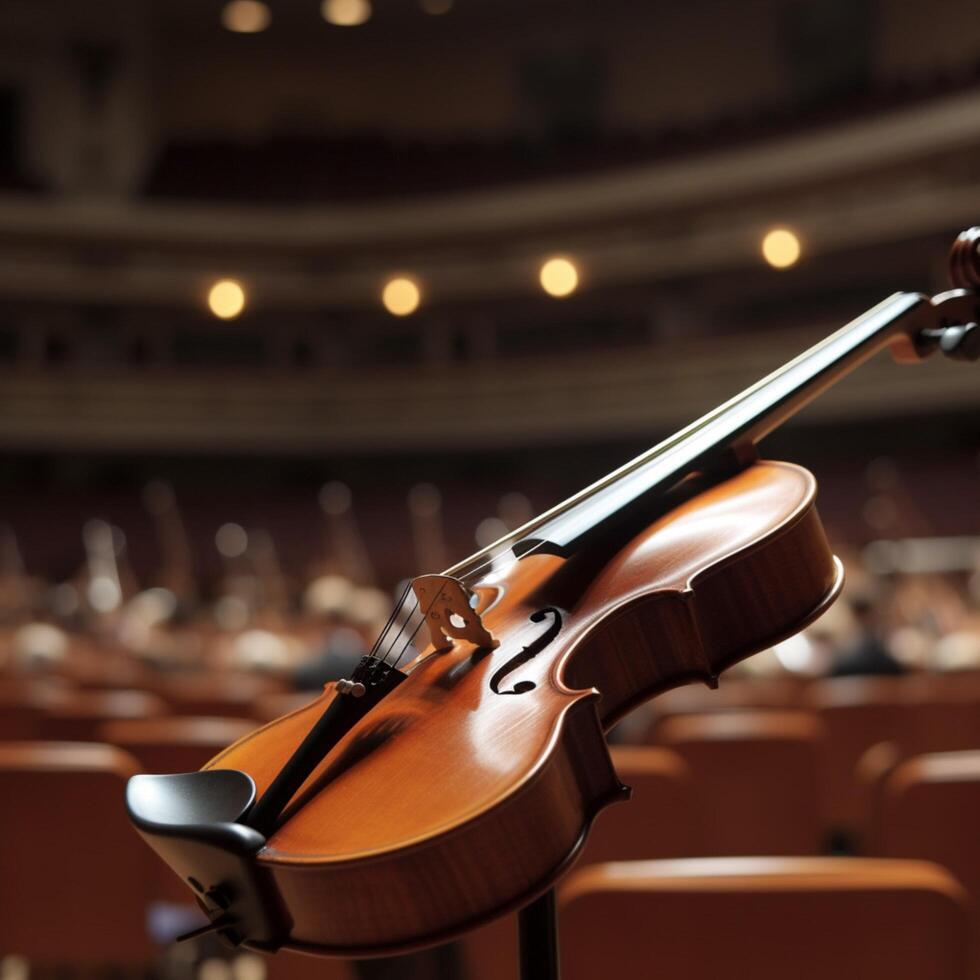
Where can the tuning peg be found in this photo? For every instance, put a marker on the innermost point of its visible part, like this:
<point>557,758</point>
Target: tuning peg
<point>961,342</point>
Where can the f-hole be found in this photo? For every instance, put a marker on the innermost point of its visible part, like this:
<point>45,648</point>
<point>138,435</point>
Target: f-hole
<point>528,653</point>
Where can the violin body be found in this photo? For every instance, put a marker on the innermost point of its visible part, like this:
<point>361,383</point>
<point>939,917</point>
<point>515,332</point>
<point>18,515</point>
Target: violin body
<point>405,806</point>
<point>471,787</point>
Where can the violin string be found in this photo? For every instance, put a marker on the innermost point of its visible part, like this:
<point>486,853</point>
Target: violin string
<point>408,642</point>
<point>405,622</point>
<point>662,449</point>
<point>391,619</point>
<point>489,564</point>
<point>410,639</point>
<point>399,605</point>
<point>467,579</point>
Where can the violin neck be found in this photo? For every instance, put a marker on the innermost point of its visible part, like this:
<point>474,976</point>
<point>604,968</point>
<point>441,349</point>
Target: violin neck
<point>732,428</point>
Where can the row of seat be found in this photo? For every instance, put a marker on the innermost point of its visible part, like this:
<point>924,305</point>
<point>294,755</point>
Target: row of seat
<point>49,709</point>
<point>769,781</point>
<point>69,850</point>
<point>737,781</point>
<point>762,917</point>
<point>755,779</point>
<point>884,916</point>
<point>923,712</point>
<point>766,918</point>
<point>916,714</point>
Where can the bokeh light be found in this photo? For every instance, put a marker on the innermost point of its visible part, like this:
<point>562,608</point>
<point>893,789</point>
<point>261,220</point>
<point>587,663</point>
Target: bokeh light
<point>226,299</point>
<point>781,248</point>
<point>436,7</point>
<point>245,16</point>
<point>559,277</point>
<point>231,540</point>
<point>401,296</point>
<point>346,13</point>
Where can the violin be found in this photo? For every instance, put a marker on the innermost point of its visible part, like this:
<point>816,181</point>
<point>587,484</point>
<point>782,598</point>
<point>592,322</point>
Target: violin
<point>455,774</point>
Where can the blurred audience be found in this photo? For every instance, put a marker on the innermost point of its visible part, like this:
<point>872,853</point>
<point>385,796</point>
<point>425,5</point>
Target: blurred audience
<point>868,652</point>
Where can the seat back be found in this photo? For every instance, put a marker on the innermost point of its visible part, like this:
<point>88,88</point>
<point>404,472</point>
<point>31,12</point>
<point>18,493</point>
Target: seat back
<point>766,918</point>
<point>73,873</point>
<point>856,713</point>
<point>948,711</point>
<point>783,693</point>
<point>661,819</point>
<point>78,716</point>
<point>217,694</point>
<point>24,702</point>
<point>174,743</point>
<point>871,775</point>
<point>930,808</point>
<point>756,778</point>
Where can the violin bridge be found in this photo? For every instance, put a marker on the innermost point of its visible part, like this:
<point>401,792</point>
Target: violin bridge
<point>444,602</point>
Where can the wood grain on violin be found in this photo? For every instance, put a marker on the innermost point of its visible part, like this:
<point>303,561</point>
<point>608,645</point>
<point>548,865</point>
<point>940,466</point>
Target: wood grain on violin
<point>473,800</point>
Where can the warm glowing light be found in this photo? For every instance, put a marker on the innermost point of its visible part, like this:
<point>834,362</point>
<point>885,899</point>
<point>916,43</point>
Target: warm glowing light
<point>795,653</point>
<point>346,13</point>
<point>104,594</point>
<point>401,296</point>
<point>231,540</point>
<point>245,16</point>
<point>559,277</point>
<point>436,7</point>
<point>780,248</point>
<point>226,299</point>
<point>214,968</point>
<point>250,966</point>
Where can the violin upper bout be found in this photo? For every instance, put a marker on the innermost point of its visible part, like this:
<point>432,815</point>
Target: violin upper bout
<point>732,570</point>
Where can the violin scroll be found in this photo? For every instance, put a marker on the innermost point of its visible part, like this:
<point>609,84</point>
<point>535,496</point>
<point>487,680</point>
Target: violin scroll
<point>951,324</point>
<point>964,260</point>
<point>954,329</point>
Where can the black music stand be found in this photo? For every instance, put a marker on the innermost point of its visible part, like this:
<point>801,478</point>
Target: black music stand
<point>537,925</point>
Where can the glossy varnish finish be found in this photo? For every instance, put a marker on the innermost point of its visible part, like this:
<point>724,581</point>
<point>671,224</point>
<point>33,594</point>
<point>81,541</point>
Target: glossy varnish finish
<point>450,802</point>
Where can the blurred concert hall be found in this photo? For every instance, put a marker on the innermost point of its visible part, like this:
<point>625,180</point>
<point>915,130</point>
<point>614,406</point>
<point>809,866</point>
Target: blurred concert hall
<point>300,301</point>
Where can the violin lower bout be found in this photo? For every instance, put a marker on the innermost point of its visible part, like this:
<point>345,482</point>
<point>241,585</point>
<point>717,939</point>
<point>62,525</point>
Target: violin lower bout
<point>441,887</point>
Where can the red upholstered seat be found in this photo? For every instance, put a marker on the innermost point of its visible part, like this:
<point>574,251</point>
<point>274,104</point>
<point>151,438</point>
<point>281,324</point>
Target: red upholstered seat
<point>929,807</point>
<point>74,876</point>
<point>766,918</point>
<point>856,713</point>
<point>756,779</point>
<point>78,716</point>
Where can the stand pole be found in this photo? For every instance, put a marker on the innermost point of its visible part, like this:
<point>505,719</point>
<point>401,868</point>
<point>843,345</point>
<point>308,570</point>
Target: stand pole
<point>538,936</point>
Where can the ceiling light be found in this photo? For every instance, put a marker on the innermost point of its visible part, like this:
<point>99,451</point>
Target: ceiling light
<point>781,248</point>
<point>226,299</point>
<point>559,277</point>
<point>401,296</point>
<point>346,13</point>
<point>245,16</point>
